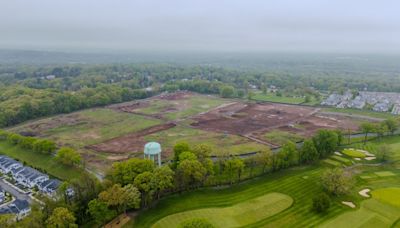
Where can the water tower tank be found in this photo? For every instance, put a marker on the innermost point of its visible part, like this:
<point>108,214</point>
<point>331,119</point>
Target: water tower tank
<point>153,150</point>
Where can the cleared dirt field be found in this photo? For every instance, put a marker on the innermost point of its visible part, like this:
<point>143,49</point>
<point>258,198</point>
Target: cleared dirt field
<point>133,142</point>
<point>117,132</point>
<point>244,118</point>
<point>256,120</point>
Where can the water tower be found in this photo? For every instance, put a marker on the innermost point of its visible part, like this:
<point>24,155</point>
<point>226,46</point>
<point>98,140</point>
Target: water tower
<point>153,150</point>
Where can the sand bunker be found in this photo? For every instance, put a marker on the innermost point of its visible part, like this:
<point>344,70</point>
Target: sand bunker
<point>357,159</point>
<point>370,158</point>
<point>365,192</point>
<point>350,204</point>
<point>338,153</point>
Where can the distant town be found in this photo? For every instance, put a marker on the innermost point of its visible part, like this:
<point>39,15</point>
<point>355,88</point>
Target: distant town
<point>376,101</point>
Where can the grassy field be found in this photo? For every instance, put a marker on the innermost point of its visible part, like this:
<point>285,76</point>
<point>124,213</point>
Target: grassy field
<point>372,213</point>
<point>383,115</point>
<point>92,126</point>
<point>38,160</point>
<point>353,153</point>
<point>299,183</point>
<point>221,143</point>
<point>281,99</point>
<point>281,137</point>
<point>237,215</point>
<point>179,109</point>
<point>388,195</point>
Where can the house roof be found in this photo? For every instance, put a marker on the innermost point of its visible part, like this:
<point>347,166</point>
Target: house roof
<point>20,204</point>
<point>45,183</point>
<point>54,184</point>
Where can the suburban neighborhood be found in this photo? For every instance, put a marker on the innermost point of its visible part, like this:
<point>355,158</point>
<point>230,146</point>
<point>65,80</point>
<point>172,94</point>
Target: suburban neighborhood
<point>23,181</point>
<point>377,101</point>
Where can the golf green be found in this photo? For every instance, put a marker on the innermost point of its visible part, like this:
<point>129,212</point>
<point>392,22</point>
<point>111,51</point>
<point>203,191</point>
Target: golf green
<point>237,215</point>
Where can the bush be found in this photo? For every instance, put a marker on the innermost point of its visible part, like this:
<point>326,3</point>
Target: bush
<point>321,202</point>
<point>196,223</point>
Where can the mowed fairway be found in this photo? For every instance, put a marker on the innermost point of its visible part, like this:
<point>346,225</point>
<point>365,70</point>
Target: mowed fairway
<point>238,215</point>
<point>372,213</point>
<point>300,184</point>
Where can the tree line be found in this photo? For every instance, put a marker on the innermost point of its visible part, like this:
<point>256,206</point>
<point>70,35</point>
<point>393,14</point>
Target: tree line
<point>65,155</point>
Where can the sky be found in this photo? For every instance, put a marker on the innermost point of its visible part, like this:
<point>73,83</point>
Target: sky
<point>201,25</point>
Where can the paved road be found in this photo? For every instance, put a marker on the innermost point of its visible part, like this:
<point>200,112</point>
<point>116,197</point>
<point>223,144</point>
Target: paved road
<point>14,192</point>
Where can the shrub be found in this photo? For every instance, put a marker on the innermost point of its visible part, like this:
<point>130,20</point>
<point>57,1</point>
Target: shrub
<point>321,202</point>
<point>196,223</point>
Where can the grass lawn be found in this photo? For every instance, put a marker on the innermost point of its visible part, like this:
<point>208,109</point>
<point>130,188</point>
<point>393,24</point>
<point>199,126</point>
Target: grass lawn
<point>383,115</point>
<point>341,159</point>
<point>183,108</point>
<point>92,126</point>
<point>388,195</point>
<point>372,213</point>
<point>273,98</point>
<point>221,143</point>
<point>289,182</point>
<point>353,153</point>
<point>38,160</point>
<point>332,162</point>
<point>281,137</point>
<point>237,215</point>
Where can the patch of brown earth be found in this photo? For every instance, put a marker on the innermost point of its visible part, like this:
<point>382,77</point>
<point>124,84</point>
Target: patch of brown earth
<point>133,142</point>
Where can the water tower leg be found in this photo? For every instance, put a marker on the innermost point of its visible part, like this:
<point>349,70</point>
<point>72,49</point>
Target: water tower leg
<point>159,160</point>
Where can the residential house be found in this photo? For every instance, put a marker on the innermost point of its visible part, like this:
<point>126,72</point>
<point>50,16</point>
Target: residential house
<point>18,207</point>
<point>6,164</point>
<point>30,178</point>
<point>2,195</point>
<point>49,186</point>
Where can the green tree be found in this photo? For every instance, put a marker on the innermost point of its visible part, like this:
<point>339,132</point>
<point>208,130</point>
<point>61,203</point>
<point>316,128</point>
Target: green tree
<point>366,128</point>
<point>100,211</point>
<point>325,142</point>
<point>288,155</point>
<point>125,172</point>
<point>68,156</point>
<point>264,159</point>
<point>227,91</point>
<point>321,202</point>
<point>392,125</point>
<point>187,156</point>
<point>121,198</point>
<point>143,182</point>
<point>163,178</point>
<point>233,169</point>
<point>381,129</point>
<point>190,173</point>
<point>178,149</point>
<point>383,152</point>
<point>44,146</point>
<point>196,223</point>
<point>61,218</point>
<point>308,153</point>
<point>202,151</point>
<point>27,142</point>
<point>337,181</point>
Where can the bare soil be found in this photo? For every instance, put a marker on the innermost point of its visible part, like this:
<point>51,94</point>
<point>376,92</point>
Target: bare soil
<point>133,142</point>
<point>246,118</point>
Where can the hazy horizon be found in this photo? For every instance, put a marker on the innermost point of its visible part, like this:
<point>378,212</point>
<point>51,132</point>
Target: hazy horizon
<point>206,26</point>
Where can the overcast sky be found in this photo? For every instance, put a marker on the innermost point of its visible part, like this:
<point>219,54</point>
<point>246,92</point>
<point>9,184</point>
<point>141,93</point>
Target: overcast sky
<point>247,25</point>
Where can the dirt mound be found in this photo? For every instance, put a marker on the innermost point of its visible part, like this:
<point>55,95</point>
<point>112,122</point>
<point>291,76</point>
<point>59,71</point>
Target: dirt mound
<point>133,142</point>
